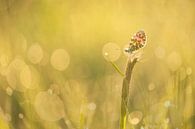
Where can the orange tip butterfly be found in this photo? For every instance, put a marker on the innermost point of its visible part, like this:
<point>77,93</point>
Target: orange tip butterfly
<point>138,41</point>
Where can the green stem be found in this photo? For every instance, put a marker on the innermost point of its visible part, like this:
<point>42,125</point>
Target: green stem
<point>125,92</point>
<point>117,68</point>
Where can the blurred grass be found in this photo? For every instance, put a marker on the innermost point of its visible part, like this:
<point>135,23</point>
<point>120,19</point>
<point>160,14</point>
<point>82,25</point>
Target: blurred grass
<point>82,28</point>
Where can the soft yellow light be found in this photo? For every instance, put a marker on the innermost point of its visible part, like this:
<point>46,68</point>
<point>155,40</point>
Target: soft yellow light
<point>9,91</point>
<point>29,77</point>
<point>20,115</point>
<point>25,76</point>
<point>151,86</point>
<point>174,61</point>
<point>4,60</point>
<point>13,74</point>
<point>111,52</point>
<point>49,106</point>
<point>91,106</point>
<point>60,59</point>
<point>35,54</point>
<point>159,52</point>
<point>55,88</point>
<point>7,117</point>
<point>135,117</point>
<point>189,71</point>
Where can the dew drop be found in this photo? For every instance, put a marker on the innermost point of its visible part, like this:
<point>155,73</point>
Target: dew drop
<point>9,91</point>
<point>151,86</point>
<point>167,104</point>
<point>142,127</point>
<point>189,71</point>
<point>60,59</point>
<point>20,115</point>
<point>111,52</point>
<point>35,54</point>
<point>174,61</point>
<point>92,106</point>
<point>13,73</point>
<point>135,117</point>
<point>48,106</point>
<point>167,120</point>
<point>50,91</point>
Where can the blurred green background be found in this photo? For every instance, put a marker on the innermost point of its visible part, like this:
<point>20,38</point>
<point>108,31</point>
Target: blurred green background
<point>55,75</point>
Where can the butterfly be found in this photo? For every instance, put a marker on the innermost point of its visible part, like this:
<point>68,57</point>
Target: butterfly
<point>138,41</point>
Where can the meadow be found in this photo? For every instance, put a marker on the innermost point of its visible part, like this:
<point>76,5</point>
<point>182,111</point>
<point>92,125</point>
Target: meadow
<point>63,64</point>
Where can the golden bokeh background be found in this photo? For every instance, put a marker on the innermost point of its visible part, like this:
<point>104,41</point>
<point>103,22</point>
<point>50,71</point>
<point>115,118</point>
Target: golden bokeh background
<point>55,71</point>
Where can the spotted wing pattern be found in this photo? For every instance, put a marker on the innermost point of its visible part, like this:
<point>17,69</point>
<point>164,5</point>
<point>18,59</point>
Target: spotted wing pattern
<point>137,42</point>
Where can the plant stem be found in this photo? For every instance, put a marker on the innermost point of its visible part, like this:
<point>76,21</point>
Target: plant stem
<point>125,92</point>
<point>117,68</point>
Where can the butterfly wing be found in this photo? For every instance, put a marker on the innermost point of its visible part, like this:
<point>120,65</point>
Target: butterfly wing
<point>138,41</point>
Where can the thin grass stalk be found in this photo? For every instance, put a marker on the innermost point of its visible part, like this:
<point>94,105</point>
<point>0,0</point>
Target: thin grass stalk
<point>125,92</point>
<point>117,68</point>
